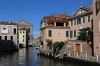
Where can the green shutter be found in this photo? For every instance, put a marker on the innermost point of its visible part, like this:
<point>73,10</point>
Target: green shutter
<point>49,33</point>
<point>67,33</point>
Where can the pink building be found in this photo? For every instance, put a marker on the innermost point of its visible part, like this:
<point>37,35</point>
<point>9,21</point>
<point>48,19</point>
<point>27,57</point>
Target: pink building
<point>83,18</point>
<point>96,26</point>
<point>55,28</point>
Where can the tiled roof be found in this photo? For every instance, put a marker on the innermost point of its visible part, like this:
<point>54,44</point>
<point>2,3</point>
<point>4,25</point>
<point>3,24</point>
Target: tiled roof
<point>22,29</point>
<point>87,8</point>
<point>7,23</point>
<point>56,18</point>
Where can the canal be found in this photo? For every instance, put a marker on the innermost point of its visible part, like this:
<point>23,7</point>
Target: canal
<point>28,57</point>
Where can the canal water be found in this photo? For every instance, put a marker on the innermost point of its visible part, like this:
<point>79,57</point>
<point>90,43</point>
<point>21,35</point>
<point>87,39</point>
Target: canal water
<point>28,57</point>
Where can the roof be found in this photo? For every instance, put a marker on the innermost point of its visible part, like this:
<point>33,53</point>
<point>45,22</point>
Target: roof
<point>7,23</point>
<point>86,8</point>
<point>20,22</point>
<point>56,18</point>
<point>22,29</point>
<point>80,15</point>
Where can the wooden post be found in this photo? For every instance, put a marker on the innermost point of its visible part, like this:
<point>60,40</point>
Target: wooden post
<point>77,54</point>
<point>69,53</point>
<point>86,55</point>
<point>97,57</point>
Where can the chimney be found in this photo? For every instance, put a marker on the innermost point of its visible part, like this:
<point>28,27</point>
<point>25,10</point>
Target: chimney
<point>9,22</point>
<point>91,7</point>
<point>81,4</point>
<point>66,13</point>
<point>16,21</point>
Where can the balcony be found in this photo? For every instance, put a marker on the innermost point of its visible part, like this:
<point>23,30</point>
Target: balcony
<point>4,31</point>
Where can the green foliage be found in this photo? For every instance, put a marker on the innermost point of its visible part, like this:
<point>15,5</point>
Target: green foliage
<point>84,35</point>
<point>58,44</point>
<point>49,42</point>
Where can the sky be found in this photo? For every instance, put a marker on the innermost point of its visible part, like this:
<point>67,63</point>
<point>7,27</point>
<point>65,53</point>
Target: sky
<point>33,11</point>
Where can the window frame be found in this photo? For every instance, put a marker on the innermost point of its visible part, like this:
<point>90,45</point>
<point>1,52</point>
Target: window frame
<point>49,33</point>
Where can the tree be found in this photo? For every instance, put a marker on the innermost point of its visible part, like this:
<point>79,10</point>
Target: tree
<point>49,42</point>
<point>85,34</point>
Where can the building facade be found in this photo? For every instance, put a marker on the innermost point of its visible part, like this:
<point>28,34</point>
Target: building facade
<point>22,36</point>
<point>29,30</point>
<point>8,36</point>
<point>54,28</point>
<point>96,26</point>
<point>83,18</point>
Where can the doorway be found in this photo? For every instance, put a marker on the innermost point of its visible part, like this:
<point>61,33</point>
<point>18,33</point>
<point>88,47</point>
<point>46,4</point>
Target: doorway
<point>77,48</point>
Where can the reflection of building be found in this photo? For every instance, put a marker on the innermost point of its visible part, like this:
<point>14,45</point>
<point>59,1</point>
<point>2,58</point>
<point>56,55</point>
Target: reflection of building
<point>9,32</point>
<point>54,28</point>
<point>29,27</point>
<point>22,36</point>
<point>83,18</point>
<point>96,26</point>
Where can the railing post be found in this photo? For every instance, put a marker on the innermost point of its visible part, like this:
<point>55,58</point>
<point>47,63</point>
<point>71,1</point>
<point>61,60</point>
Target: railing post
<point>77,54</point>
<point>69,53</point>
<point>97,57</point>
<point>86,55</point>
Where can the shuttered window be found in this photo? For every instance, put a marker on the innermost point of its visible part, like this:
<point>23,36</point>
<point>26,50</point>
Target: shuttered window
<point>49,33</point>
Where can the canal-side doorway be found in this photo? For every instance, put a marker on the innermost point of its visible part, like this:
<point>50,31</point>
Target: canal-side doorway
<point>77,46</point>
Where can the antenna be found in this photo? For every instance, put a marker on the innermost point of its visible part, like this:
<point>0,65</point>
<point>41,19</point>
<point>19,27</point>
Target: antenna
<point>72,6</point>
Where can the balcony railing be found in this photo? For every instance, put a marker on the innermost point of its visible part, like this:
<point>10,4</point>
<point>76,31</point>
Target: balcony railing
<point>4,31</point>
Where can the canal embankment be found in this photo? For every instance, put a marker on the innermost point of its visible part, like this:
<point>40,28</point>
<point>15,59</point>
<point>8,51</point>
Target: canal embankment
<point>86,62</point>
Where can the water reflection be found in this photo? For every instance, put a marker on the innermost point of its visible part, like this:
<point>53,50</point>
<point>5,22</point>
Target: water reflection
<point>28,57</point>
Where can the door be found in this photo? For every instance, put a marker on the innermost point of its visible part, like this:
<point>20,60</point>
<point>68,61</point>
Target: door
<point>78,48</point>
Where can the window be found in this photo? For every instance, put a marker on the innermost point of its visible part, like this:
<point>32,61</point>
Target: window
<point>98,5</point>
<point>11,37</point>
<point>71,23</point>
<point>74,21</point>
<point>78,21</point>
<point>59,24</point>
<point>0,37</point>
<point>20,31</point>
<point>81,11</point>
<point>23,36</point>
<point>88,18</point>
<point>67,33</point>
<point>49,33</point>
<point>4,28</point>
<point>28,41</point>
<point>23,40</point>
<point>28,38</point>
<point>74,33</point>
<point>58,34</point>
<point>99,25</point>
<point>71,34</point>
<point>14,30</point>
<point>28,30</point>
<point>5,37</point>
<point>23,32</point>
<point>83,19</point>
